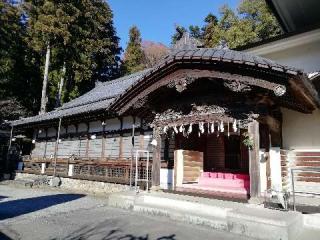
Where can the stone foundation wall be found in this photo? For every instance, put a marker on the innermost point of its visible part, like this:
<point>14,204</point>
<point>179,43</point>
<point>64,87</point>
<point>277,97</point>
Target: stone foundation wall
<point>79,185</point>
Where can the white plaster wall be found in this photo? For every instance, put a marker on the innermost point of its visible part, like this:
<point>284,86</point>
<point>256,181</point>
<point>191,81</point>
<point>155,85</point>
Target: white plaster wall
<point>301,51</point>
<point>305,57</point>
<point>300,131</point>
<point>275,167</point>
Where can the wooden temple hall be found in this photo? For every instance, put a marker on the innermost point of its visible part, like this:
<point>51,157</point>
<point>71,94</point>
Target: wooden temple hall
<point>210,118</point>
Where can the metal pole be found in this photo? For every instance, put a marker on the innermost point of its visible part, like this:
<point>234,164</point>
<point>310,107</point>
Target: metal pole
<point>56,149</point>
<point>9,148</point>
<point>136,176</point>
<point>293,191</point>
<point>132,154</point>
<point>148,157</point>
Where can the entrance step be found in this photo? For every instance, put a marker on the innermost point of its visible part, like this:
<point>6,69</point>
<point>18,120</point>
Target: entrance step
<point>244,219</point>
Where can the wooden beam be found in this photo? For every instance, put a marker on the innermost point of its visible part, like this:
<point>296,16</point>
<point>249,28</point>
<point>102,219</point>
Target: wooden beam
<point>103,144</point>
<point>254,161</point>
<point>156,161</point>
<point>300,94</point>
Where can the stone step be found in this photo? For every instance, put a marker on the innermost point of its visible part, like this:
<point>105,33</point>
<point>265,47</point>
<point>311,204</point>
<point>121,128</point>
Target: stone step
<point>183,216</point>
<point>244,219</point>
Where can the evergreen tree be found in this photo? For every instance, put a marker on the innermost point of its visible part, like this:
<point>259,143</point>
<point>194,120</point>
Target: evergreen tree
<point>252,22</point>
<point>134,58</point>
<point>18,67</point>
<point>81,39</point>
<point>264,24</point>
<point>178,34</point>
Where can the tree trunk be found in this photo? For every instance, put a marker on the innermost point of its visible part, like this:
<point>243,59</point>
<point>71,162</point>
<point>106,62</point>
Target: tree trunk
<point>61,84</point>
<point>45,82</point>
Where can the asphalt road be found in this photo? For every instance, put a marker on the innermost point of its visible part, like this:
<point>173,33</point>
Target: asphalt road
<point>46,214</point>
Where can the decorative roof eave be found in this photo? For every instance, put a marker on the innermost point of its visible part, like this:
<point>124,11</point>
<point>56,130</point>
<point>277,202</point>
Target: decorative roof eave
<point>172,63</point>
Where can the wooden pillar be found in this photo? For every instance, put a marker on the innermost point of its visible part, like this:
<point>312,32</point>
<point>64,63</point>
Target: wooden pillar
<point>156,160</point>
<point>120,139</point>
<point>103,143</point>
<point>254,161</point>
<point>46,145</point>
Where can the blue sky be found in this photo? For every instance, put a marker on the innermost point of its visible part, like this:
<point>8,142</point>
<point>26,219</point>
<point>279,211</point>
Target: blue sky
<point>156,18</point>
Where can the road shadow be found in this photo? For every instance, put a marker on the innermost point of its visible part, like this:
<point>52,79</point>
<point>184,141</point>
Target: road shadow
<point>19,207</point>
<point>4,237</point>
<point>100,231</point>
<point>3,197</point>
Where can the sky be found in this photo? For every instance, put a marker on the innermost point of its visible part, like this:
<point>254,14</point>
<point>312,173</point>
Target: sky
<point>156,18</point>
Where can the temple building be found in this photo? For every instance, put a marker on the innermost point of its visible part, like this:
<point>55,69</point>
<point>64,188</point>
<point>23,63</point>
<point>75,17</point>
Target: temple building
<point>212,119</point>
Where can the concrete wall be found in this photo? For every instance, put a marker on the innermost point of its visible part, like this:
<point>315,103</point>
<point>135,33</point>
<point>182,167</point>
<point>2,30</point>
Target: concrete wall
<point>300,131</point>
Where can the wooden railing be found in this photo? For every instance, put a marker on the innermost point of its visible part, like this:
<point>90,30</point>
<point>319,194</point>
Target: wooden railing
<point>114,171</point>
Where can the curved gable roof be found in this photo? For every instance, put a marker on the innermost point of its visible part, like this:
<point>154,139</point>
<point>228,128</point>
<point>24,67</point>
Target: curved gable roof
<point>106,96</point>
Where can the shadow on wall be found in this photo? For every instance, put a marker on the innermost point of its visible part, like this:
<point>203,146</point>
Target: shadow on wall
<point>19,207</point>
<point>100,231</point>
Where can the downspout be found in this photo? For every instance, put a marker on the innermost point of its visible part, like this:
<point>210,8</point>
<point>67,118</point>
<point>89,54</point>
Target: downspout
<point>56,149</point>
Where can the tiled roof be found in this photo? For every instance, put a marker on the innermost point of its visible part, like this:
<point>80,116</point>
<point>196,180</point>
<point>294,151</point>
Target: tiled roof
<point>98,98</point>
<point>104,94</point>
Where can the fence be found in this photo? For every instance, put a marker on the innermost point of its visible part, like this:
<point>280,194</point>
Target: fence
<point>114,171</point>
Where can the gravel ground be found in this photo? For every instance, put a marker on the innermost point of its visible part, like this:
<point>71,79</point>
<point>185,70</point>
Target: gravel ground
<point>48,214</point>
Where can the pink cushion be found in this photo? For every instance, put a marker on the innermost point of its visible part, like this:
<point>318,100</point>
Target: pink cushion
<point>220,175</point>
<point>228,176</point>
<point>213,175</point>
<point>206,174</point>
